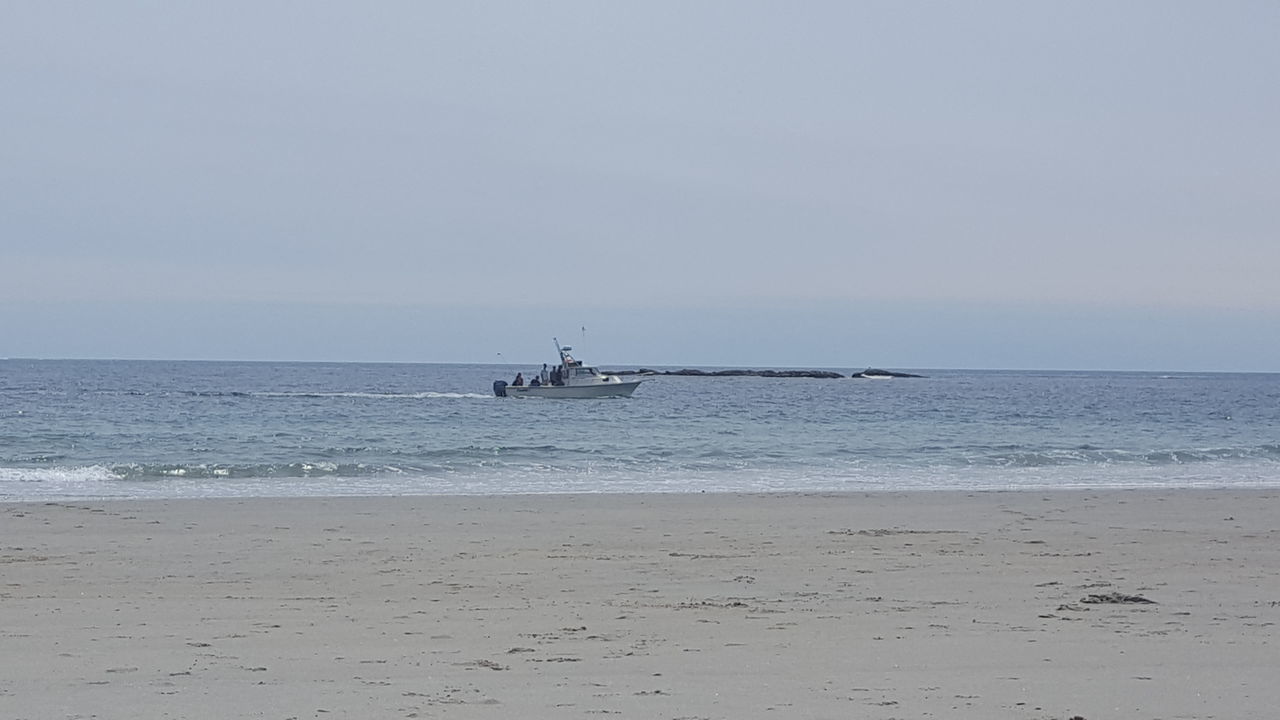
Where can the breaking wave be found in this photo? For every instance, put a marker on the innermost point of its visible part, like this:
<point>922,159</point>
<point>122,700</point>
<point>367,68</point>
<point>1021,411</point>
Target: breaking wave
<point>1091,456</point>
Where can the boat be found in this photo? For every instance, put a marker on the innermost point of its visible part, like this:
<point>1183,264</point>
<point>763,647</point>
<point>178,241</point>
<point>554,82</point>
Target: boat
<point>573,379</point>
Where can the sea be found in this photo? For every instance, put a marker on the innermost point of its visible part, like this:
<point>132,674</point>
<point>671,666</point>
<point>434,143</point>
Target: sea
<point>99,429</point>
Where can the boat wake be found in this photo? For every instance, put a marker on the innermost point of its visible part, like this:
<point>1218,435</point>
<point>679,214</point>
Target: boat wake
<point>426,395</point>
<point>356,394</point>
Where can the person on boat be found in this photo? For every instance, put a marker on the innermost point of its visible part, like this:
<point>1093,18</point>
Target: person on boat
<point>535,382</point>
<point>519,381</point>
<point>555,376</point>
<point>546,375</point>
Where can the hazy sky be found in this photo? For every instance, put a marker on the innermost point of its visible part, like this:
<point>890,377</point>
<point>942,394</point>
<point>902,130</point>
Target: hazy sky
<point>995,184</point>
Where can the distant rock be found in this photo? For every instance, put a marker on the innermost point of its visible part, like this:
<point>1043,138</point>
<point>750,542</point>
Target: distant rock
<point>878,373</point>
<point>823,374</point>
<point>692,372</point>
<point>1115,598</point>
<point>757,373</point>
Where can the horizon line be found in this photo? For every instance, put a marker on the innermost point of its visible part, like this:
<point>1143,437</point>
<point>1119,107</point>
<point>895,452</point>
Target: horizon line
<point>645,366</point>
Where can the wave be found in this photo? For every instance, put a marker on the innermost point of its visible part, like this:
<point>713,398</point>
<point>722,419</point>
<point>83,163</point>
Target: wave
<point>295,470</point>
<point>1087,455</point>
<point>340,462</point>
<point>57,475</point>
<point>610,475</point>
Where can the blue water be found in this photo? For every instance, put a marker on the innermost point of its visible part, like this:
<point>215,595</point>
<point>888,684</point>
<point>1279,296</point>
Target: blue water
<point>133,429</point>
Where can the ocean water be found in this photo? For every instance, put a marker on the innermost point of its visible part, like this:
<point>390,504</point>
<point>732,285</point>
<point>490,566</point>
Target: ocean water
<point>152,429</point>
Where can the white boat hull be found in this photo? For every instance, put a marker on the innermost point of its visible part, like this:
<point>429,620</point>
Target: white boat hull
<point>595,390</point>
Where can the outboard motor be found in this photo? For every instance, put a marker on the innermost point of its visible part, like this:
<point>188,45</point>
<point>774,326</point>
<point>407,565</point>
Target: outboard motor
<point>500,388</point>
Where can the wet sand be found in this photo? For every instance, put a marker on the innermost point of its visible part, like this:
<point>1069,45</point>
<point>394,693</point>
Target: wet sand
<point>920,605</point>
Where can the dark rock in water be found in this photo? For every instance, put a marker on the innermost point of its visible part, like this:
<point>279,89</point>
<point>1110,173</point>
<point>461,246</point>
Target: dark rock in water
<point>1117,599</point>
<point>693,372</point>
<point>878,373</point>
<point>757,373</point>
<point>823,374</point>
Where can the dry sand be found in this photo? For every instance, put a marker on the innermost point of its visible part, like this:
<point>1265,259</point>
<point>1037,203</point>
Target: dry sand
<point>925,605</point>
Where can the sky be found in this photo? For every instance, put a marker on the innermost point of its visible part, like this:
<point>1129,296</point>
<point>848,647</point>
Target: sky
<point>1086,185</point>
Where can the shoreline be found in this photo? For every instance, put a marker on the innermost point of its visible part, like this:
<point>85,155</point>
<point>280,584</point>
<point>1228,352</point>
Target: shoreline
<point>963,604</point>
<point>1252,485</point>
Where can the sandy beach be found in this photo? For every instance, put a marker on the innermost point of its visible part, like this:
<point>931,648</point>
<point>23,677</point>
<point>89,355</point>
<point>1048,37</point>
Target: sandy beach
<point>977,605</point>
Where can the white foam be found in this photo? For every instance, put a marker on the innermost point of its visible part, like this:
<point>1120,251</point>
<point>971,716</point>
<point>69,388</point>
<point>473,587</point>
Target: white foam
<point>57,475</point>
<point>29,484</point>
